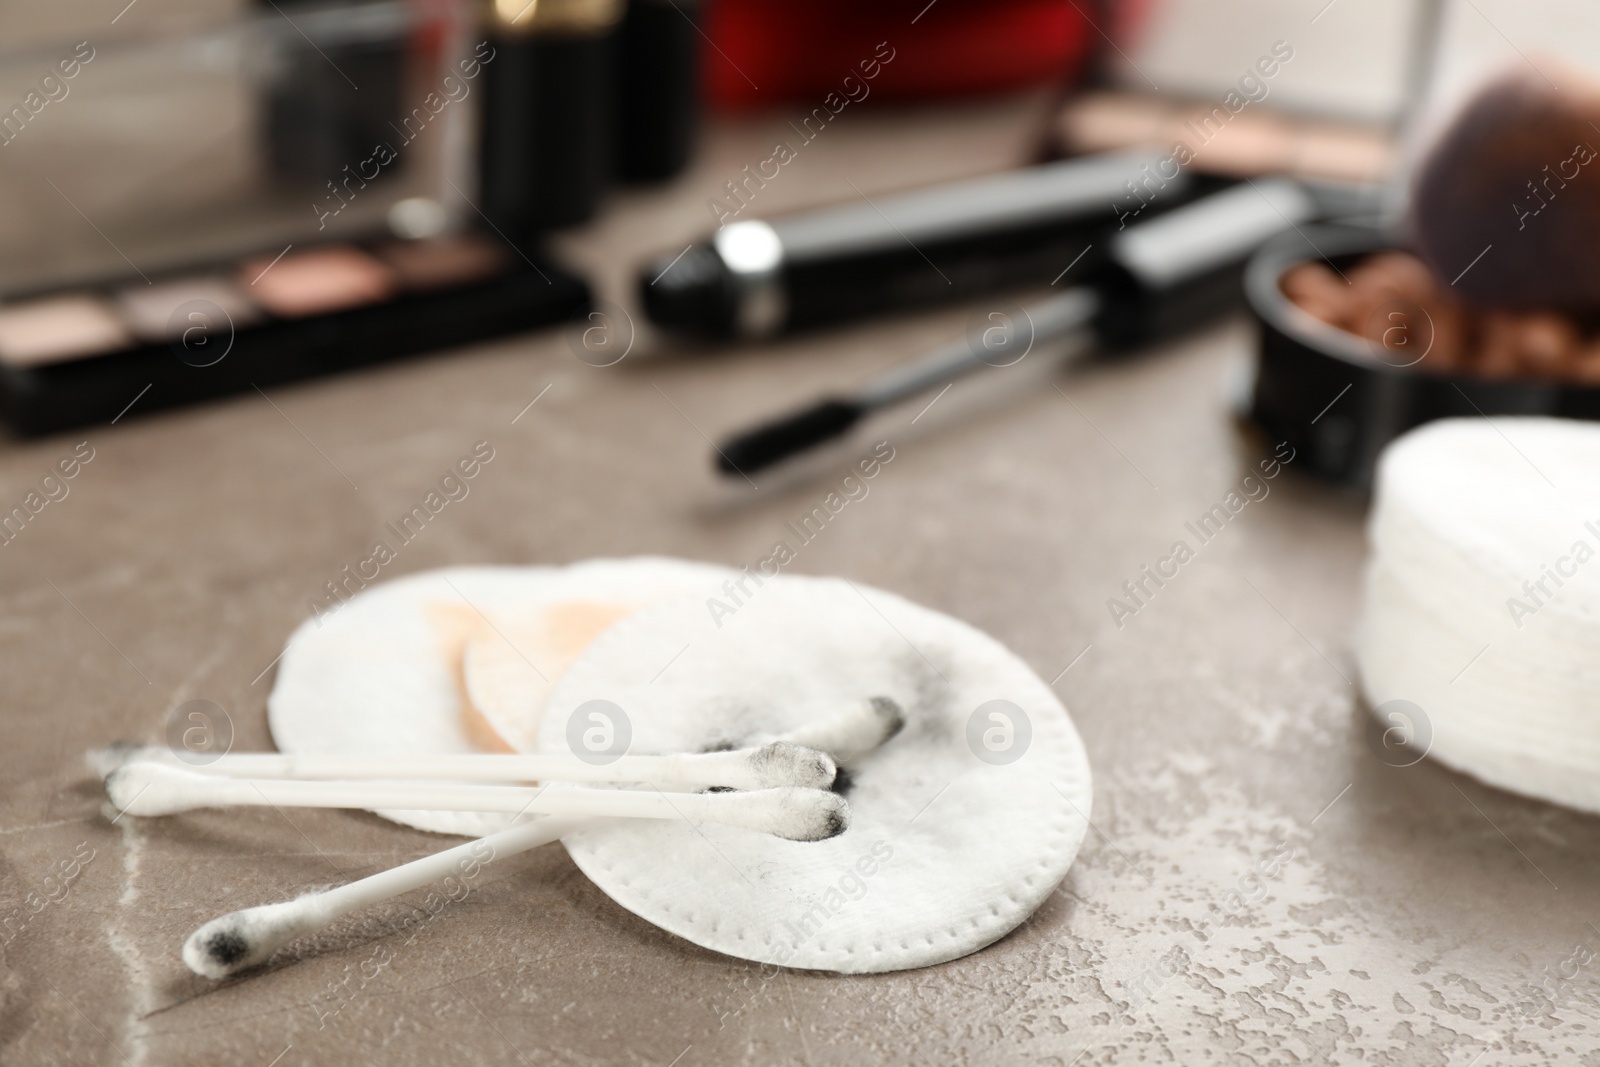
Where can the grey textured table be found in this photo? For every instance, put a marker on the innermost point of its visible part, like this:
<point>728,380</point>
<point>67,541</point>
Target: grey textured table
<point>1258,886</point>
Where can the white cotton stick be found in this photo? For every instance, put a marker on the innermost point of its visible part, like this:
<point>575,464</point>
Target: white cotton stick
<point>779,763</point>
<point>853,732</point>
<point>147,788</point>
<point>242,939</point>
<point>245,938</point>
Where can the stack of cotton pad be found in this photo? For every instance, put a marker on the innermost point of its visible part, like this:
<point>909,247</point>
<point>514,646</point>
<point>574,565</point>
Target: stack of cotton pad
<point>1482,603</point>
<point>961,824</point>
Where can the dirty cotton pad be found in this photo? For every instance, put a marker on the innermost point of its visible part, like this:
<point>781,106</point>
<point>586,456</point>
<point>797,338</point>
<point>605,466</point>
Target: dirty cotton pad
<point>961,824</point>
<point>382,672</point>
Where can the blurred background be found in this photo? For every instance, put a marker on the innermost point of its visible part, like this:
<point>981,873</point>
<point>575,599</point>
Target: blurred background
<point>316,186</point>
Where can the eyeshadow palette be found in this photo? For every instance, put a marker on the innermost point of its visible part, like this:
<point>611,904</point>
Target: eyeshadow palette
<point>97,352</point>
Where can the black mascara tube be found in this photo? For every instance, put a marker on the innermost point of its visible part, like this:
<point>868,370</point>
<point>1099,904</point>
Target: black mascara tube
<point>1156,278</point>
<point>546,138</point>
<point>756,278</point>
<point>658,88</point>
<point>1184,268</point>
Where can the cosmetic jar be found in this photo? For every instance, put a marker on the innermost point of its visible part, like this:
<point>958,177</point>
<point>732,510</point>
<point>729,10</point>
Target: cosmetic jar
<point>1339,398</point>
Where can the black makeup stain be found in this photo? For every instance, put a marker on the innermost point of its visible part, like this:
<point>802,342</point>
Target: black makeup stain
<point>928,709</point>
<point>227,947</point>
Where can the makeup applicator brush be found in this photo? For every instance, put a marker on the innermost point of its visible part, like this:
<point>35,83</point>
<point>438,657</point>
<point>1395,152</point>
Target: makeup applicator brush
<point>1505,206</point>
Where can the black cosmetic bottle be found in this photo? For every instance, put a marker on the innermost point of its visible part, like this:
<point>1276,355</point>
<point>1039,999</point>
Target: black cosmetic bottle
<point>548,113</point>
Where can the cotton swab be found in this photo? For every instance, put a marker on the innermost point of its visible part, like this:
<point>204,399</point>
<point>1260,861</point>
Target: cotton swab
<point>779,763</point>
<point>851,733</point>
<point>245,938</point>
<point>802,757</point>
<point>242,939</point>
<point>147,788</point>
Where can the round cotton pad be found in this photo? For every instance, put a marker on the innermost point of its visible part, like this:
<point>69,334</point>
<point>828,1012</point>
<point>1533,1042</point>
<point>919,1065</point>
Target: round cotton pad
<point>382,672</point>
<point>1482,601</point>
<point>508,672</point>
<point>961,824</point>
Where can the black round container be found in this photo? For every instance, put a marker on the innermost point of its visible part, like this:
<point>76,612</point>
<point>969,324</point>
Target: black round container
<point>1338,398</point>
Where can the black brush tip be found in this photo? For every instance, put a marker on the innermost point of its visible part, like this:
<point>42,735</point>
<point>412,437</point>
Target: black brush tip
<point>766,445</point>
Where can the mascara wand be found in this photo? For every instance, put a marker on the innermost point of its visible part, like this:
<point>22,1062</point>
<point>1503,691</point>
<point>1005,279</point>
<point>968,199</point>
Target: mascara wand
<point>1157,278</point>
<point>835,416</point>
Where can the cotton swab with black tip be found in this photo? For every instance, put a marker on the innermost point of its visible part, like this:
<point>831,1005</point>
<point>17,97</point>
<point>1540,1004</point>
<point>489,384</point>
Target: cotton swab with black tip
<point>147,788</point>
<point>778,763</point>
<point>851,733</point>
<point>243,939</point>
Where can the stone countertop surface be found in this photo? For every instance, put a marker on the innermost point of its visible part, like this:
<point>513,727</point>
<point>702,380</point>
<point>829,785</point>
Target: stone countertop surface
<point>1257,887</point>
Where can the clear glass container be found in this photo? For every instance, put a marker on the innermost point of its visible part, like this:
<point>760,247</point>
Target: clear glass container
<point>261,129</point>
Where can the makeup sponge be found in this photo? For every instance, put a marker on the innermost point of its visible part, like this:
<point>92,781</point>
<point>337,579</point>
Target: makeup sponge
<point>962,823</point>
<point>1482,601</point>
<point>395,669</point>
<point>1514,180</point>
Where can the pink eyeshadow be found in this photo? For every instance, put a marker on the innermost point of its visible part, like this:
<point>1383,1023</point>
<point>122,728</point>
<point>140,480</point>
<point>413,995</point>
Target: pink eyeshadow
<point>316,282</point>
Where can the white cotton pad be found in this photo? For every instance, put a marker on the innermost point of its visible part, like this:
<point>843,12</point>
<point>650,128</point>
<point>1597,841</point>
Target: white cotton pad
<point>383,673</point>
<point>946,851</point>
<point>508,671</point>
<point>1482,599</point>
